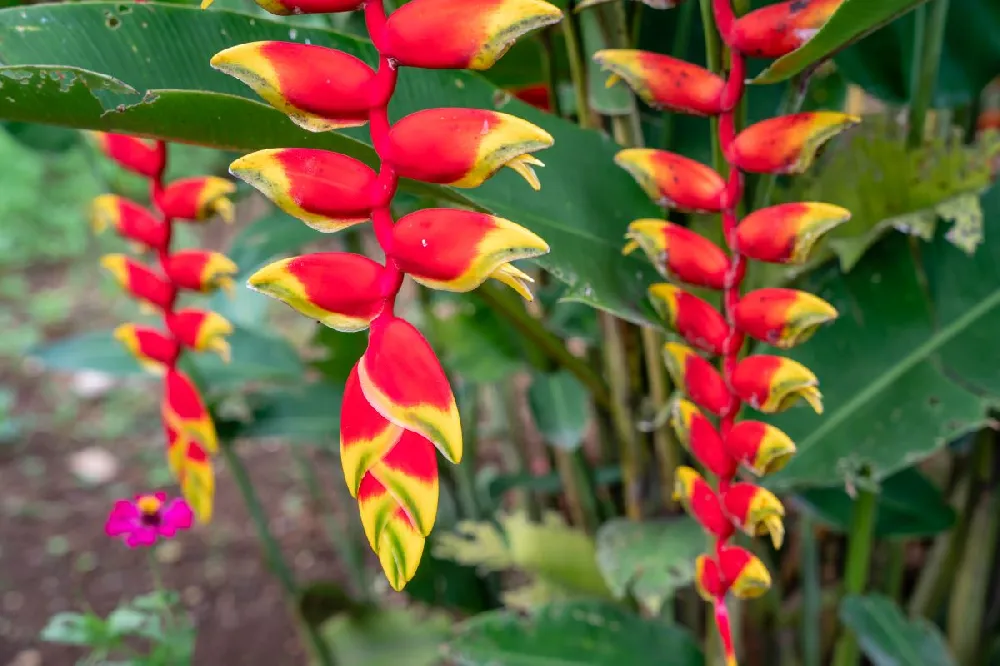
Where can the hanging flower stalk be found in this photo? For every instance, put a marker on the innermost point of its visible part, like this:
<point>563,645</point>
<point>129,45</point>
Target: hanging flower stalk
<point>782,318</point>
<point>188,426</point>
<point>398,406</point>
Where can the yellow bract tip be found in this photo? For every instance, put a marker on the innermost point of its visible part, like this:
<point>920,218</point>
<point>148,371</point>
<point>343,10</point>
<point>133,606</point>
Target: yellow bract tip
<point>205,4</point>
<point>522,166</point>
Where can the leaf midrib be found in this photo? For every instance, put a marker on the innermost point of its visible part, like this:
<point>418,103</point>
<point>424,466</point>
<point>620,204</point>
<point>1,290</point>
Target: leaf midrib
<point>908,362</point>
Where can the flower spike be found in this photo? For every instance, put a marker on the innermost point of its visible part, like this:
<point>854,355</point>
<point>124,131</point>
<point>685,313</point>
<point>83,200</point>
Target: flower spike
<point>441,34</point>
<point>783,234</point>
<point>786,234</point>
<point>328,191</point>
<point>198,199</point>
<point>333,92</point>
<point>664,82</point>
<point>458,250</point>
<point>342,291</point>
<point>185,412</point>
<point>465,147</point>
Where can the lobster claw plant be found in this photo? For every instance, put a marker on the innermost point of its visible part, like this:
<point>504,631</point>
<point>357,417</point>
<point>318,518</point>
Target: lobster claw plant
<point>190,431</point>
<point>778,317</point>
<point>398,406</point>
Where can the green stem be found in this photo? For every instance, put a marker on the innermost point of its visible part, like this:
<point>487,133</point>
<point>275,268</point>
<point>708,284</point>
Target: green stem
<point>347,549</point>
<point>577,71</point>
<point>464,472</point>
<point>859,551</point>
<point>616,362</point>
<point>928,42</point>
<point>551,75</point>
<point>812,591</point>
<point>545,341</point>
<point>682,40</point>
<point>895,568</point>
<point>713,56</point>
<point>792,102</point>
<point>272,551</point>
<point>154,569</point>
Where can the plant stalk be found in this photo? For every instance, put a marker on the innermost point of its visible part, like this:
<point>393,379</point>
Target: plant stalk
<point>577,70</point>
<point>272,552</point>
<point>812,594</point>
<point>713,56</point>
<point>616,362</point>
<point>859,551</point>
<point>928,43</point>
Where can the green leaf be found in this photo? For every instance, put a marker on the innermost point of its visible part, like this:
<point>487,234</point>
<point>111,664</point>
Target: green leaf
<point>582,210</point>
<point>653,559</point>
<point>616,100</point>
<point>853,20</point>
<point>909,505</point>
<point>882,63</point>
<point>888,638</point>
<point>909,365</point>
<point>886,186</point>
<point>560,406</point>
<point>388,637</point>
<point>571,634</point>
<point>76,629</point>
<point>310,413</point>
<point>474,341</point>
<point>96,350</point>
<point>127,621</point>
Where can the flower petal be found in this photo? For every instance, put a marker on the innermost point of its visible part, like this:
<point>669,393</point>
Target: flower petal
<point>698,498</point>
<point>201,270</point>
<point>700,437</point>
<point>779,29</point>
<point>198,198</point>
<point>139,280</point>
<point>664,82</point>
<point>785,234</point>
<point>142,156</point>
<point>402,379</point>
<point>201,330</point>
<point>697,322</point>
<point>757,510</point>
<point>365,435</point>
<point>129,219</point>
<point>773,384</point>
<point>123,518</point>
<point>680,253</point>
<point>141,537</point>
<point>759,446</point>
<point>176,515</point>
<point>787,144</point>
<point>184,411</point>
<point>708,579</point>
<point>328,191</point>
<point>343,291</point>
<point>745,575</point>
<point>152,349</point>
<point>782,318</point>
<point>390,532</point>
<point>332,92</point>
<point>697,378</point>
<point>443,34</point>
<point>674,181</point>
<point>464,147</point>
<point>458,250</point>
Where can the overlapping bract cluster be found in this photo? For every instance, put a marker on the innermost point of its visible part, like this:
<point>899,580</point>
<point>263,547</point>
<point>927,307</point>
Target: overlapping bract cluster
<point>398,407</point>
<point>190,432</point>
<point>781,318</point>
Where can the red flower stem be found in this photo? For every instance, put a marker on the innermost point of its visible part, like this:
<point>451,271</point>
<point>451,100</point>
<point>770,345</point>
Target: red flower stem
<point>388,181</point>
<point>732,93</point>
<point>163,252</point>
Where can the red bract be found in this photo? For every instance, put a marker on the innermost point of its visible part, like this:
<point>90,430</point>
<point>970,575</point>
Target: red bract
<point>188,427</point>
<point>398,406</point>
<point>781,317</point>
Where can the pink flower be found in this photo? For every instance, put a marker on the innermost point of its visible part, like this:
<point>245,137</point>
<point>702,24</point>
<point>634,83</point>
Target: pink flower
<point>140,522</point>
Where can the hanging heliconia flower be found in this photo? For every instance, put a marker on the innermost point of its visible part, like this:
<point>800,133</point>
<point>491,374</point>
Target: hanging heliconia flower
<point>398,406</point>
<point>190,432</point>
<point>780,317</point>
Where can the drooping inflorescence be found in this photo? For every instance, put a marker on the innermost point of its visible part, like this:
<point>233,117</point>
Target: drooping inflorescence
<point>398,406</point>
<point>779,317</point>
<point>190,432</point>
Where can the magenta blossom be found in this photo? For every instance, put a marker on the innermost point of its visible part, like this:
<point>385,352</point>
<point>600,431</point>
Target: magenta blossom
<point>140,522</point>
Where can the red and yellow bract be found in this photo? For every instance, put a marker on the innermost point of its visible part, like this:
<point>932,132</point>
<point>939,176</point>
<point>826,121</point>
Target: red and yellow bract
<point>188,427</point>
<point>781,317</point>
<point>398,406</point>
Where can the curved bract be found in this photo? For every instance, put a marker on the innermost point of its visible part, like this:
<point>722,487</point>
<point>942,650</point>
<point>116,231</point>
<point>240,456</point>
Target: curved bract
<point>398,408</point>
<point>783,318</point>
<point>190,432</point>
